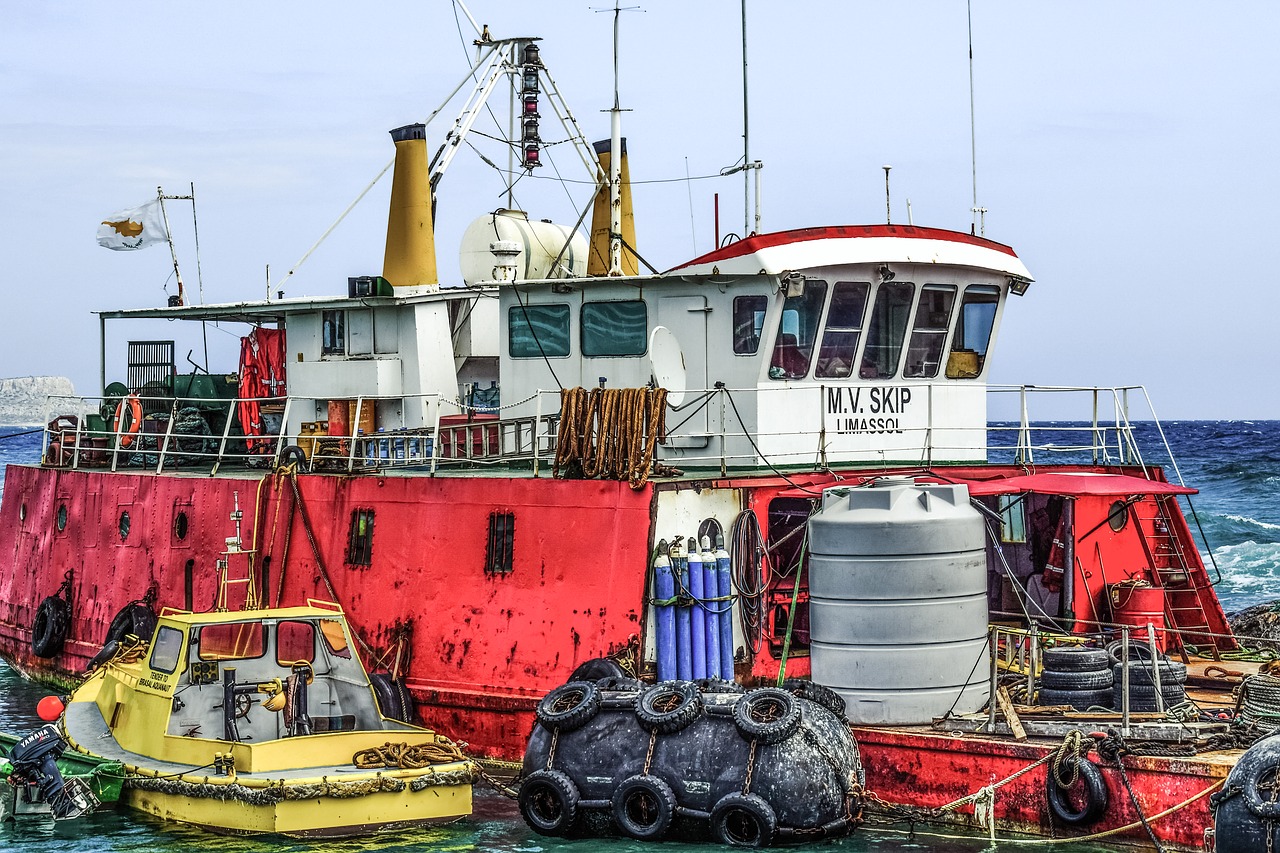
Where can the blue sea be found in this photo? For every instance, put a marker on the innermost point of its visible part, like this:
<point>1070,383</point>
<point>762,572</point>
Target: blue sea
<point>1234,464</point>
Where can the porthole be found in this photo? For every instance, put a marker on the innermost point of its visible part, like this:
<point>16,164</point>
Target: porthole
<point>62,517</point>
<point>124,525</point>
<point>1118,516</point>
<point>180,526</point>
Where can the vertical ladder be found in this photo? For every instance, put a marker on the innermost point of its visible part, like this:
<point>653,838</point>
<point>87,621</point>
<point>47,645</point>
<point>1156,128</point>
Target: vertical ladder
<point>1190,603</point>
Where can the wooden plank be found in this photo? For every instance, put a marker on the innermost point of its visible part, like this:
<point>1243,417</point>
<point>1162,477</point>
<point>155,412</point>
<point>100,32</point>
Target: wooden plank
<point>1006,708</point>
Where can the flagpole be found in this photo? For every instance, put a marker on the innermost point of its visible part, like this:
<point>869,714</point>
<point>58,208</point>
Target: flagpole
<point>164,214</point>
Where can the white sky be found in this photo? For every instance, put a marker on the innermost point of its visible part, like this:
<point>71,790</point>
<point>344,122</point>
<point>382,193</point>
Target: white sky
<point>1125,150</point>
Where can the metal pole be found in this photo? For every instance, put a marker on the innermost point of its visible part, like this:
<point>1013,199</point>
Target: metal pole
<point>992,645</point>
<point>746,128</point>
<point>1034,656</point>
<point>1124,681</point>
<point>1155,666</point>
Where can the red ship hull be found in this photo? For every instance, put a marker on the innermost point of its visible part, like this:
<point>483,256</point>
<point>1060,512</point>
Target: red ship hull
<point>484,646</point>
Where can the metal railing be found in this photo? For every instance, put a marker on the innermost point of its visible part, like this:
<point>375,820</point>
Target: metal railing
<point>200,432</point>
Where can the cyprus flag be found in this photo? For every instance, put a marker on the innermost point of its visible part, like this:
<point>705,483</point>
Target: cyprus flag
<point>133,229</point>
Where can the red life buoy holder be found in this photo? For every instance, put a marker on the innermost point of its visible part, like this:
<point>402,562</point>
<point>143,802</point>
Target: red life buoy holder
<point>127,429</point>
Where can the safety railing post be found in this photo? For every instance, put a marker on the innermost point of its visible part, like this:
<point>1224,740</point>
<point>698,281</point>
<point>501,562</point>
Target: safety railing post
<point>354,425</point>
<point>1033,658</point>
<point>284,427</point>
<point>168,432</point>
<point>226,433</point>
<point>1155,666</point>
<point>537,431</point>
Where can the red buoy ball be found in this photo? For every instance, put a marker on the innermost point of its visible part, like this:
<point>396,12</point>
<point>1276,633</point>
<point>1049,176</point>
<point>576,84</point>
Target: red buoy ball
<point>49,708</point>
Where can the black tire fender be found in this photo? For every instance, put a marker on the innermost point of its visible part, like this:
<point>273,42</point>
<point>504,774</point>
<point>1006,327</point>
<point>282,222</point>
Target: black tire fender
<point>819,694</point>
<point>1142,672</point>
<point>767,714</point>
<point>49,630</point>
<point>394,699</point>
<point>643,807</point>
<point>620,684</point>
<point>569,706</point>
<point>107,653</point>
<point>743,820</point>
<point>719,685</point>
<point>1078,699</point>
<point>1075,659</point>
<point>598,668</point>
<point>1092,680</point>
<point>136,619</point>
<point>1137,651</point>
<point>1096,798</point>
<point>549,802</point>
<point>668,706</point>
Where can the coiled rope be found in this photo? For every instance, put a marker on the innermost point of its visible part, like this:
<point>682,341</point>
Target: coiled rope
<point>610,433</point>
<point>405,757</point>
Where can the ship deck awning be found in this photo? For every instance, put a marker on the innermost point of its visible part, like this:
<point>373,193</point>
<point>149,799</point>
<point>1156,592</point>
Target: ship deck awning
<point>1075,484</point>
<point>276,310</point>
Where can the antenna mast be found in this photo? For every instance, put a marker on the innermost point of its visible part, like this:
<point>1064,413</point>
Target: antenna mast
<point>973,135</point>
<point>615,160</point>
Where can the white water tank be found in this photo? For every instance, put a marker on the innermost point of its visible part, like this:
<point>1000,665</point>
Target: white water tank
<point>898,601</point>
<point>540,244</point>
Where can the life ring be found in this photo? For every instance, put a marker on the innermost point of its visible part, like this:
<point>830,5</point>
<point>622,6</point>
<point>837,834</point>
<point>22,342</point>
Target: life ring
<point>570,706</point>
<point>49,631</point>
<point>767,714</point>
<point>549,802</point>
<point>743,820</point>
<point>1095,796</point>
<point>644,807</point>
<point>127,429</point>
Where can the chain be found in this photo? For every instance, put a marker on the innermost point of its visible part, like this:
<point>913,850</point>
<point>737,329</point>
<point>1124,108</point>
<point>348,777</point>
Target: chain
<point>648,756</point>
<point>551,753</point>
<point>751,766</point>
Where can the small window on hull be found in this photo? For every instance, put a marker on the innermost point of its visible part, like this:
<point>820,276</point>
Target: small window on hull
<point>360,538</point>
<point>499,558</point>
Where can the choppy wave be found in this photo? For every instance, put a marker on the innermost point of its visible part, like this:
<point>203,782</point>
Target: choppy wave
<point>1250,573</point>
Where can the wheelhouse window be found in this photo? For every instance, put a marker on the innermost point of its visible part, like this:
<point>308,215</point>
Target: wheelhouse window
<point>538,331</point>
<point>1013,519</point>
<point>798,331</point>
<point>748,323</point>
<point>295,642</point>
<point>933,318</point>
<point>973,331</point>
<point>844,327</point>
<point>233,641</point>
<point>167,649</point>
<point>614,328</point>
<point>888,332</point>
<point>333,333</point>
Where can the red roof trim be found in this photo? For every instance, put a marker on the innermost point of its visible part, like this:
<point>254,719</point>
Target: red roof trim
<point>801,235</point>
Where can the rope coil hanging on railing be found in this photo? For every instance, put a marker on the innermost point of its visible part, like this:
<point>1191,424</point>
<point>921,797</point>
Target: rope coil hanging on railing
<point>610,433</point>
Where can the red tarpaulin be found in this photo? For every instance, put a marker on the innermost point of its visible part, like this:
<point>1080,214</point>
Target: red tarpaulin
<point>261,376</point>
<point>1081,483</point>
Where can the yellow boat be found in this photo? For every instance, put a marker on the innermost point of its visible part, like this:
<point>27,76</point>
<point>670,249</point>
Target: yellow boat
<point>263,721</point>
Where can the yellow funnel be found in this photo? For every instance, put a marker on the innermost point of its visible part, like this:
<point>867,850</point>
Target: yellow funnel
<point>598,257</point>
<point>410,258</point>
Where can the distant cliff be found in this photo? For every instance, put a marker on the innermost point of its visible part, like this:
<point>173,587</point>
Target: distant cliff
<point>25,399</point>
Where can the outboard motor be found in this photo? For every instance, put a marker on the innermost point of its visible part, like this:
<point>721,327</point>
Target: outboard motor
<point>34,759</point>
<point>1246,812</point>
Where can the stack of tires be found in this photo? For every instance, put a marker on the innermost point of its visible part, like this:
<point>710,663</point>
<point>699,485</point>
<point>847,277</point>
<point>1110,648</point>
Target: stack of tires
<point>686,760</point>
<point>1142,679</point>
<point>1076,676</point>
